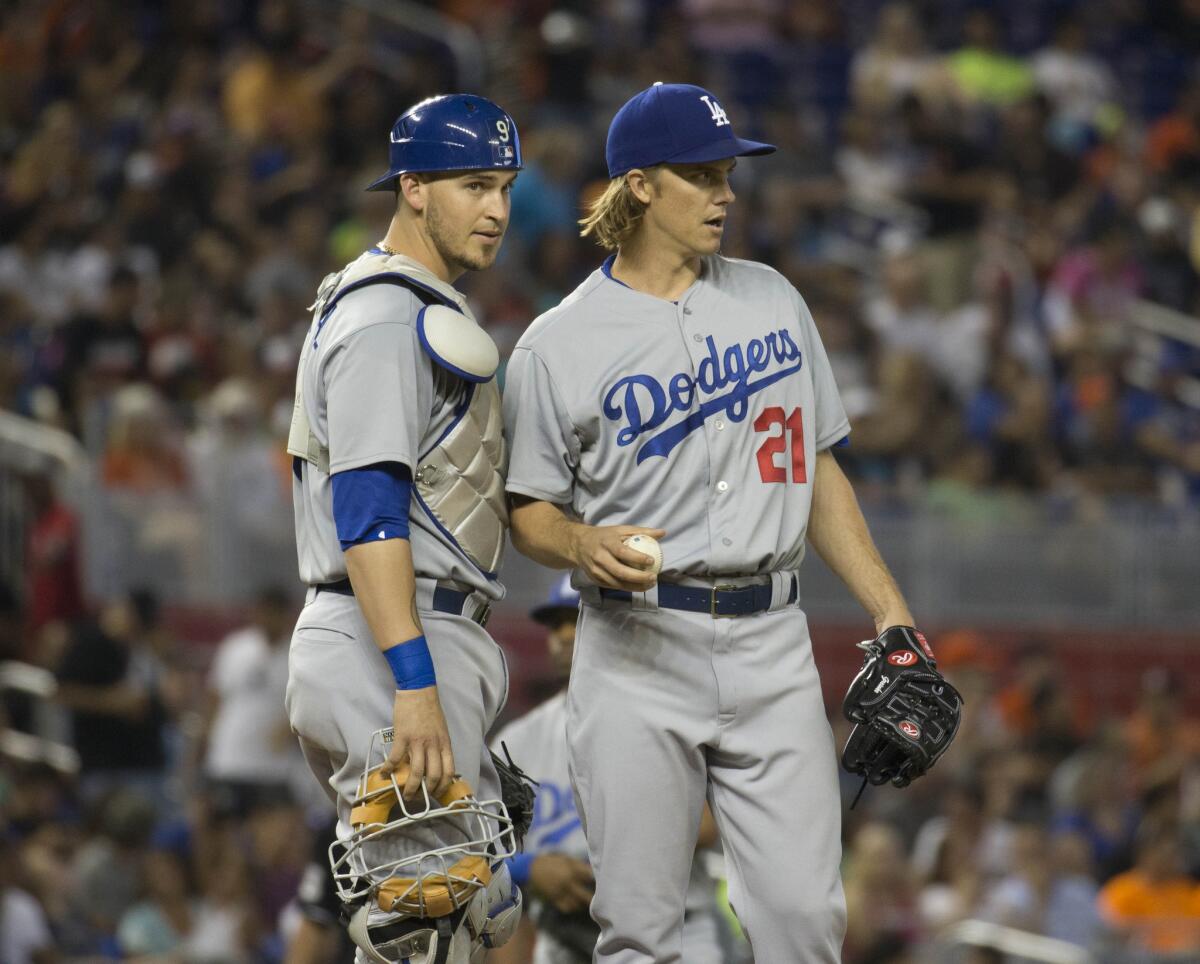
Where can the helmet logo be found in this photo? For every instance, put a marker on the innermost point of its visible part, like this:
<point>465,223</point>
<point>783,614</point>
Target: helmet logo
<point>910,729</point>
<point>903,658</point>
<point>720,118</point>
<point>502,129</point>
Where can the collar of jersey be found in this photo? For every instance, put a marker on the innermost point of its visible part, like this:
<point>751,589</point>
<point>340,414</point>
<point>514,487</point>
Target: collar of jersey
<point>607,269</point>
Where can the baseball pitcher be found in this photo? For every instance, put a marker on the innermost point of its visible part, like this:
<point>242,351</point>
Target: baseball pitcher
<point>686,396</point>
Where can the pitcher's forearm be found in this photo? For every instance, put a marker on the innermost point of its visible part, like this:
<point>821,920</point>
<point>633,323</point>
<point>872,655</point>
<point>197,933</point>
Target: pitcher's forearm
<point>542,532</point>
<point>838,531</point>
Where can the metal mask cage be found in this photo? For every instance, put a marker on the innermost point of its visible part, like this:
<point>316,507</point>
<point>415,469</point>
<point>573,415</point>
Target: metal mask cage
<point>432,882</point>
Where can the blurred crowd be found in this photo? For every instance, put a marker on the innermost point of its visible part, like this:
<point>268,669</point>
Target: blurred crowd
<point>993,211</point>
<point>979,202</point>
<point>185,833</point>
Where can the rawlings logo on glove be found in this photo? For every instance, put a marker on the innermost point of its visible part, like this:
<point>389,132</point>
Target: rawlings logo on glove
<point>904,711</point>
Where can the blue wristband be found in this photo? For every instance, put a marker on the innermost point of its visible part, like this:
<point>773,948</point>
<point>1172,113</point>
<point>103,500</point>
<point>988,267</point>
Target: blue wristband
<point>519,868</point>
<point>411,664</point>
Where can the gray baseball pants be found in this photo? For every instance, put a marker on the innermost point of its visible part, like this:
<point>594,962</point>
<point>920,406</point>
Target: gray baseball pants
<point>666,707</point>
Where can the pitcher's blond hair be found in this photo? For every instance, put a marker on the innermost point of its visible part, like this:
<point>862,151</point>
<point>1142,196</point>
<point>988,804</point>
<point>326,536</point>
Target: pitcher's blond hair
<point>613,216</point>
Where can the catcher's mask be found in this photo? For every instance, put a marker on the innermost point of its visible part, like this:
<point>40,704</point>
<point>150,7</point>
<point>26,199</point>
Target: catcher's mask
<point>421,906</point>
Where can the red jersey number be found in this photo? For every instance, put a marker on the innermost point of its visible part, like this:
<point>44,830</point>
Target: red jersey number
<point>789,425</point>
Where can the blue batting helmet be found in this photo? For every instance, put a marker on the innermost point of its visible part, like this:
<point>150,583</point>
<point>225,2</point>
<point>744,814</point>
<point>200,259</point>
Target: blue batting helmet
<point>453,132</point>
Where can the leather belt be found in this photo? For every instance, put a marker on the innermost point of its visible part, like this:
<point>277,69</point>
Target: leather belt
<point>718,601</point>
<point>445,600</point>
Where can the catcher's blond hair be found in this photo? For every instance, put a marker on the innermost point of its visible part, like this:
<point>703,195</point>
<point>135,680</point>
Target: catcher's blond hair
<point>614,215</point>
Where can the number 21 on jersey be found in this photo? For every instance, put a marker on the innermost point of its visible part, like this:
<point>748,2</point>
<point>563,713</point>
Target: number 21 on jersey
<point>790,437</point>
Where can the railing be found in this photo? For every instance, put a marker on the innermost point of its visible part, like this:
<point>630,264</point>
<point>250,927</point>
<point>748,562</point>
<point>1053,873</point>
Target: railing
<point>1139,568</point>
<point>44,744</point>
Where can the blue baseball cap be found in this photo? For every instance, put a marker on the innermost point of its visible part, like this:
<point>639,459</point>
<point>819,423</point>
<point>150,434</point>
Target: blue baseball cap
<point>673,123</point>
<point>562,596</point>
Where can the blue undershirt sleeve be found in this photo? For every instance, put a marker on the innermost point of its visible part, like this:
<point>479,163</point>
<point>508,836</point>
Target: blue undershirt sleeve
<point>370,504</point>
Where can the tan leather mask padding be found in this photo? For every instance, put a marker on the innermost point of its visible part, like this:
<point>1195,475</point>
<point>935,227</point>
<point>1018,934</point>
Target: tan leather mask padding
<point>378,798</point>
<point>435,895</point>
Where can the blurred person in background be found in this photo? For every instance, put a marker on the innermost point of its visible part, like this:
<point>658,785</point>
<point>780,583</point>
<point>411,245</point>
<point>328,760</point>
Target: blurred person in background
<point>161,921</point>
<point>110,678</point>
<point>105,872</point>
<point>312,924</point>
<point>251,755</point>
<point>1038,895</point>
<point>953,344</point>
<point>1094,428</point>
<point>895,61</point>
<point>25,936</point>
<point>140,458</point>
<point>881,894</point>
<point>981,71</point>
<point>1094,799</point>
<point>1173,141</point>
<point>1155,907</point>
<point>225,925</point>
<point>1080,85</point>
<point>950,892</point>
<point>242,483</point>
<point>53,590</point>
<point>1162,736</point>
<point>1090,293</point>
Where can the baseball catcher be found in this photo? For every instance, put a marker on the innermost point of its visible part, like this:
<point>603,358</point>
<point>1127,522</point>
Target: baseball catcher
<point>904,711</point>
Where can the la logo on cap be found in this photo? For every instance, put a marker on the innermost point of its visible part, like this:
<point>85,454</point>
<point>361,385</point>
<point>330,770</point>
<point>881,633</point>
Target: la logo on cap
<point>720,118</point>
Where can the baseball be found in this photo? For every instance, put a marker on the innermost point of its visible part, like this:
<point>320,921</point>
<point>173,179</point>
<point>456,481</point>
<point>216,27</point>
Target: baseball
<point>649,545</point>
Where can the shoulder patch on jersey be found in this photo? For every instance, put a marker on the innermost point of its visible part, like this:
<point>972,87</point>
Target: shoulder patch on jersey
<point>457,343</point>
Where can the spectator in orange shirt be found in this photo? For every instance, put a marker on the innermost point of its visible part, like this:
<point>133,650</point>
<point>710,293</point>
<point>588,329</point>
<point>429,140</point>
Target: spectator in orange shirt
<point>1176,137</point>
<point>1155,906</point>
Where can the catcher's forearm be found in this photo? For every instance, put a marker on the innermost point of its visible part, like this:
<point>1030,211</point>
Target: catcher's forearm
<point>838,531</point>
<point>385,586</point>
<point>542,532</point>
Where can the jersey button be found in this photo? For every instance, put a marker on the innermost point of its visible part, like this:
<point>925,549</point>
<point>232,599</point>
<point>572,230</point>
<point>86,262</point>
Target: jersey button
<point>719,424</point>
<point>727,542</point>
<point>697,338</point>
<point>722,486</point>
<point>687,311</point>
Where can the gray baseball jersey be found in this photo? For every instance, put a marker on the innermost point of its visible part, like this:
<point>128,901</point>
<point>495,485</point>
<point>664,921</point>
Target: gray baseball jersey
<point>700,417</point>
<point>703,417</point>
<point>372,394</point>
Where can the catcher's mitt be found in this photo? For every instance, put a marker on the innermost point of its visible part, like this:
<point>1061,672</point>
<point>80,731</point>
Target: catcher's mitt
<point>516,790</point>
<point>904,711</point>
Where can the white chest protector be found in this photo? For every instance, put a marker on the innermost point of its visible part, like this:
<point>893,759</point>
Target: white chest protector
<point>460,478</point>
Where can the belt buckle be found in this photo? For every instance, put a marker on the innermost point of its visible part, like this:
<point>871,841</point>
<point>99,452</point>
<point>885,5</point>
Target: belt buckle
<point>712,606</point>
